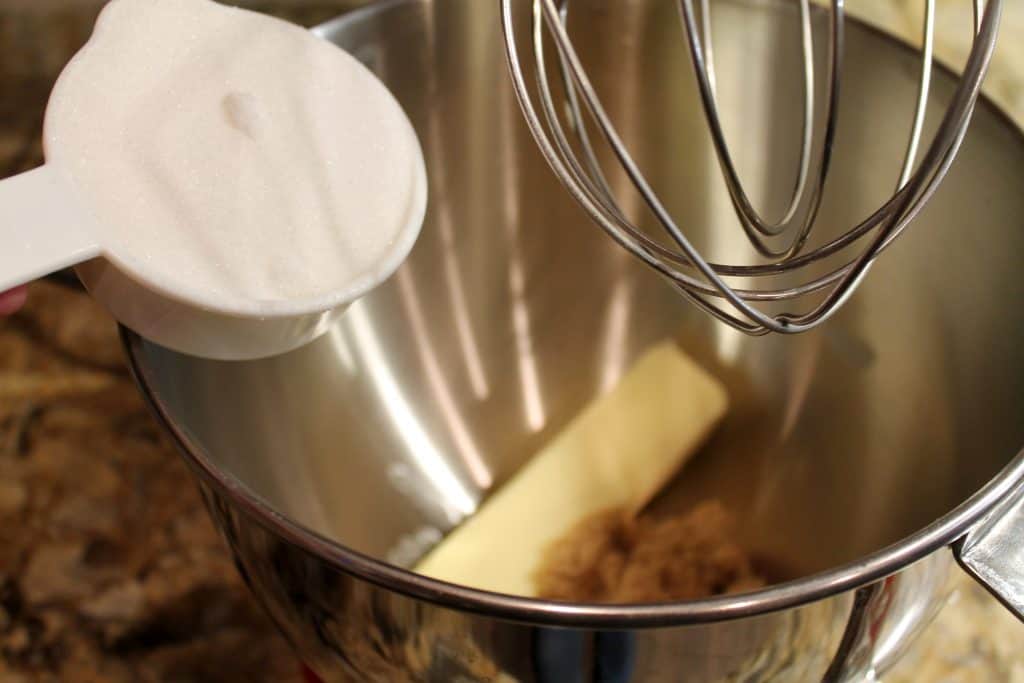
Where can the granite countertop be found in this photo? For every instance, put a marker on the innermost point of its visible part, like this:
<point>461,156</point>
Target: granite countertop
<point>109,568</point>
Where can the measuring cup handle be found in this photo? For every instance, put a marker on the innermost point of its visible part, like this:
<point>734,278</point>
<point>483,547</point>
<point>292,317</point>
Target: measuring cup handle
<point>42,227</point>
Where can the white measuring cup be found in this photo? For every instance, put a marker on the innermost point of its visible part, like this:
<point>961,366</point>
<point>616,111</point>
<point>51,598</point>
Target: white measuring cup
<point>44,228</point>
<point>47,224</point>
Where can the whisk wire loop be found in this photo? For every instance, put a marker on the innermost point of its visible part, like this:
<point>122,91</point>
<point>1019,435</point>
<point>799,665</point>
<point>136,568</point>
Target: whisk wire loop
<point>703,282</point>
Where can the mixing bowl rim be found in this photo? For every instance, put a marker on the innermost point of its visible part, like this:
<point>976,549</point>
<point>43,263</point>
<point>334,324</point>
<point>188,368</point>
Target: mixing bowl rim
<point>943,532</point>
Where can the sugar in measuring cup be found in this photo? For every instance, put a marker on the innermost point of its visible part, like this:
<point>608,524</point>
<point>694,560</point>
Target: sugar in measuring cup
<point>225,183</point>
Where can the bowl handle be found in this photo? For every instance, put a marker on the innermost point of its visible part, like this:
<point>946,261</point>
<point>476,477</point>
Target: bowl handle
<point>993,552</point>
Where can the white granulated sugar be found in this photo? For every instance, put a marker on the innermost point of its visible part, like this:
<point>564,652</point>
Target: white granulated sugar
<point>233,152</point>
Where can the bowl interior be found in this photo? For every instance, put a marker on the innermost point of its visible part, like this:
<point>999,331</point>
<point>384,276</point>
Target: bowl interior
<point>514,310</point>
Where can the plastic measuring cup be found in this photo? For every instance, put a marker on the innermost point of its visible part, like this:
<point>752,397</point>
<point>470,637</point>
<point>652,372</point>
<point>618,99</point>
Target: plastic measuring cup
<point>43,229</point>
<point>46,226</point>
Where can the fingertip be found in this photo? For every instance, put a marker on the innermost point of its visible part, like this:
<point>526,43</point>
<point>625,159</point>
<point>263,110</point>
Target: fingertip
<point>12,300</point>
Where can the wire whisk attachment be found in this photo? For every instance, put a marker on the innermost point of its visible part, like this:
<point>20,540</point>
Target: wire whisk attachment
<point>570,149</point>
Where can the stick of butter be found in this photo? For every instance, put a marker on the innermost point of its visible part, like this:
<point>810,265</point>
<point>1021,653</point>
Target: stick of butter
<point>619,452</point>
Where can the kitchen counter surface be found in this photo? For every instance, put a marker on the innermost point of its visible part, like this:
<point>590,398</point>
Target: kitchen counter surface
<point>109,568</point>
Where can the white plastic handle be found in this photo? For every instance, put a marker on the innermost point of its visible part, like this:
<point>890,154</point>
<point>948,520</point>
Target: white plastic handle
<point>42,227</point>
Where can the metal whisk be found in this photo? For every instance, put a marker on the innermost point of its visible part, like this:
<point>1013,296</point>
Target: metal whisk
<point>705,283</point>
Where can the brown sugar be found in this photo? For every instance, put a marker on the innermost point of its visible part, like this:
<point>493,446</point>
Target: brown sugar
<point>613,557</point>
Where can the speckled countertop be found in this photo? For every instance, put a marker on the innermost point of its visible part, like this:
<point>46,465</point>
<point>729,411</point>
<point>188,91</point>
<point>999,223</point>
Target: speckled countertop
<point>109,569</point>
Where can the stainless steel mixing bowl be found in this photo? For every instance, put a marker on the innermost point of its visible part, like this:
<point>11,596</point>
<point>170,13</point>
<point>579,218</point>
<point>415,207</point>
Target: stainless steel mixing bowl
<point>855,457</point>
